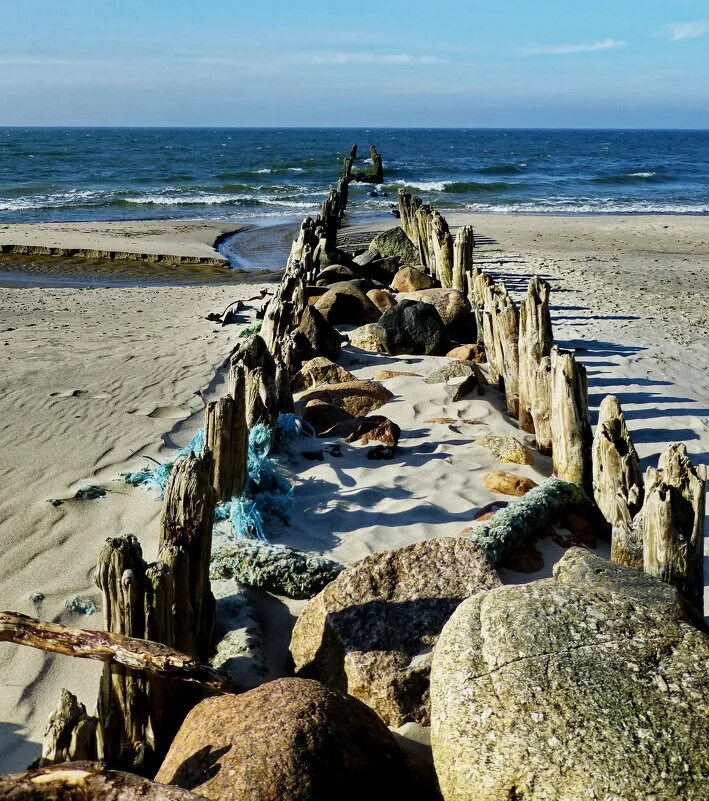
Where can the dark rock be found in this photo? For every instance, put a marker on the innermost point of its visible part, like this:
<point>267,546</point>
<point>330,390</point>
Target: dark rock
<point>333,273</point>
<point>414,327</point>
<point>452,307</point>
<point>347,304</point>
<point>316,337</point>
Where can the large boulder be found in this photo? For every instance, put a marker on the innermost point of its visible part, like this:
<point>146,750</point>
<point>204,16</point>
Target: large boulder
<point>452,307</point>
<point>414,327</point>
<point>356,397</point>
<point>591,684</point>
<point>332,421</point>
<point>288,740</point>
<point>346,303</point>
<point>411,279</point>
<point>370,631</point>
<point>395,243</point>
<point>316,337</point>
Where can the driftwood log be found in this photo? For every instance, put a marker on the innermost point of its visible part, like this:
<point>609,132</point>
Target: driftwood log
<point>535,341</point>
<point>114,649</point>
<point>86,781</point>
<point>227,437</point>
<point>672,522</point>
<point>617,481</point>
<point>570,423</point>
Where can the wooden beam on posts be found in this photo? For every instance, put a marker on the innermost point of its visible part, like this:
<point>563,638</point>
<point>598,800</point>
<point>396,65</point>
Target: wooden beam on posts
<point>535,341</point>
<point>142,656</point>
<point>617,481</point>
<point>570,423</point>
<point>671,522</point>
<point>226,436</point>
<point>186,524</point>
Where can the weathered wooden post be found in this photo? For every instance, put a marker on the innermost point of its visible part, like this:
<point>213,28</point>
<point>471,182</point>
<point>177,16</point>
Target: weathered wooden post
<point>617,481</point>
<point>378,168</point>
<point>226,436</point>
<point>125,738</point>
<point>535,341</point>
<point>259,368</point>
<point>541,406</point>
<point>70,734</point>
<point>672,523</point>
<point>489,320</point>
<point>186,524</point>
<point>506,342</point>
<point>442,246</point>
<point>462,257</point>
<point>570,424</point>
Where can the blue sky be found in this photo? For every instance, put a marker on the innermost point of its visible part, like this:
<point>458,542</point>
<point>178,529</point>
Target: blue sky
<point>607,63</point>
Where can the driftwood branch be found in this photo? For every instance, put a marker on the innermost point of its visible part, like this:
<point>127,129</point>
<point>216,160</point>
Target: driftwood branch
<point>114,649</point>
<point>86,781</point>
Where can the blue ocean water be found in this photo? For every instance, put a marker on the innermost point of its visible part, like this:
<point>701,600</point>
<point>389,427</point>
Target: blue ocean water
<point>57,174</point>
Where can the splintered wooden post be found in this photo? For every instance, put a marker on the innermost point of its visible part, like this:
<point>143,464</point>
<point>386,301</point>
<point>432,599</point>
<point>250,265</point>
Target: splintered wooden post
<point>424,221</point>
<point>570,424</point>
<point>378,169</point>
<point>347,168</point>
<point>353,152</point>
<point>617,480</point>
<point>489,319</point>
<point>124,736</point>
<point>226,436</point>
<point>479,283</point>
<point>186,524</point>
<point>462,257</point>
<point>259,369</point>
<point>535,341</point>
<point>70,734</point>
<point>442,242</point>
<point>507,339</point>
<point>541,406</point>
<point>672,523</point>
<point>284,394</point>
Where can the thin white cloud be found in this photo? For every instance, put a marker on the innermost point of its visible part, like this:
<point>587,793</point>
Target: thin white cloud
<point>687,30</point>
<point>373,58</point>
<point>569,49</point>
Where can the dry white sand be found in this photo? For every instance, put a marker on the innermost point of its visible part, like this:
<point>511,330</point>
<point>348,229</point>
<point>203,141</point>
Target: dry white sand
<point>93,379</point>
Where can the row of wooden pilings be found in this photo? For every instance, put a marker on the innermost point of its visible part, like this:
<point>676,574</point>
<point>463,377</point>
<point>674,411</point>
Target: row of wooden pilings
<point>656,520</point>
<point>170,601</point>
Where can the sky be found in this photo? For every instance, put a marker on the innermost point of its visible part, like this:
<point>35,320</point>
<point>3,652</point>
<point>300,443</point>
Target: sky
<point>455,63</point>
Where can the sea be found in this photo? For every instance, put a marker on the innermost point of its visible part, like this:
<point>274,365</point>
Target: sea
<point>275,174</point>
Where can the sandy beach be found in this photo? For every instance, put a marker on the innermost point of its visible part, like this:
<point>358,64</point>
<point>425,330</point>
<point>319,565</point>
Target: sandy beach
<point>96,378</point>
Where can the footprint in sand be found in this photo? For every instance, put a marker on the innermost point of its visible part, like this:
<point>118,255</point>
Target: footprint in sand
<point>79,393</point>
<point>162,412</point>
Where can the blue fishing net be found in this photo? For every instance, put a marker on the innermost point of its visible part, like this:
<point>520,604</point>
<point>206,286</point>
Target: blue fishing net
<point>155,478</point>
<point>268,495</point>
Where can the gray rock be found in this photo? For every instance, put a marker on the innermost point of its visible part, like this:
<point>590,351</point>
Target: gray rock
<point>333,273</point>
<point>416,328</point>
<point>367,257</point>
<point>276,568</point>
<point>395,243</point>
<point>371,631</point>
<point>453,308</point>
<point>449,371</point>
<point>239,649</point>
<point>588,685</point>
<point>460,389</point>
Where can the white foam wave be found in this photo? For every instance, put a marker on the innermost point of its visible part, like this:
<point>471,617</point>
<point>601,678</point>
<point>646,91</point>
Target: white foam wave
<point>642,174</point>
<point>264,171</point>
<point>569,206</point>
<point>427,186</point>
